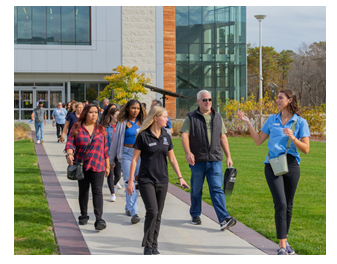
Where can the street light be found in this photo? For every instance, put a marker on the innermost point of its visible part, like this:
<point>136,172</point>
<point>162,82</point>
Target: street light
<point>260,18</point>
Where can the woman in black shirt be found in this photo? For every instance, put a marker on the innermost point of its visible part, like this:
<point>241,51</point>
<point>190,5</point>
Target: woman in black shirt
<point>153,144</point>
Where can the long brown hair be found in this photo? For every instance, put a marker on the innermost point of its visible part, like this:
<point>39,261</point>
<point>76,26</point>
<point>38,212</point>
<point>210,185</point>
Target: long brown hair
<point>82,118</point>
<point>107,117</point>
<point>124,113</point>
<point>292,107</point>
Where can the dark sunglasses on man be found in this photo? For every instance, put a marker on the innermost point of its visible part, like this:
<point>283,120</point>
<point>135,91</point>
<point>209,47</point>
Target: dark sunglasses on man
<point>205,100</point>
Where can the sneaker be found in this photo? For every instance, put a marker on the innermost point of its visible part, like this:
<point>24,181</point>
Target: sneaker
<point>42,140</point>
<point>135,219</point>
<point>113,198</point>
<point>38,142</point>
<point>282,251</point>
<point>100,224</point>
<point>289,249</point>
<point>83,219</point>
<point>227,223</point>
<point>196,220</point>
<point>155,251</point>
<point>147,251</point>
<point>127,213</point>
<point>118,185</point>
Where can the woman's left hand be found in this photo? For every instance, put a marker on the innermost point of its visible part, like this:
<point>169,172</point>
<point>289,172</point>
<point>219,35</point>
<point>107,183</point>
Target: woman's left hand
<point>288,132</point>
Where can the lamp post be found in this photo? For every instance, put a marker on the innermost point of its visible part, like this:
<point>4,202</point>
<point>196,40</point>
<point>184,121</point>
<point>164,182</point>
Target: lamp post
<point>260,18</point>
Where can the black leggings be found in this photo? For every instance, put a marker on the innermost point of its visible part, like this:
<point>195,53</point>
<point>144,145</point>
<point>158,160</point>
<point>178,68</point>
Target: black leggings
<point>153,196</point>
<point>59,129</point>
<point>114,176</point>
<point>283,190</point>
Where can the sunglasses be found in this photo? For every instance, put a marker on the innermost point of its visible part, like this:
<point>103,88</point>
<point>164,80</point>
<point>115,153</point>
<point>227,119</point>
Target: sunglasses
<point>205,100</point>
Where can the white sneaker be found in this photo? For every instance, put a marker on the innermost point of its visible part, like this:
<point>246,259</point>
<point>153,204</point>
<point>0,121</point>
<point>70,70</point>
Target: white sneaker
<point>113,198</point>
<point>119,186</point>
<point>38,142</point>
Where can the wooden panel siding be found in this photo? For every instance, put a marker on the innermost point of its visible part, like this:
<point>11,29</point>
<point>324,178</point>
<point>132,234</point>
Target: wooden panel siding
<point>169,39</point>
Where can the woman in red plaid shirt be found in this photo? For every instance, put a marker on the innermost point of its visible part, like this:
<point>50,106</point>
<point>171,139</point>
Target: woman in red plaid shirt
<point>96,162</point>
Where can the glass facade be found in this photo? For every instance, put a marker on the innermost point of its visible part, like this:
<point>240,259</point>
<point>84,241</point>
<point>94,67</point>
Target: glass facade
<point>52,25</point>
<point>210,54</point>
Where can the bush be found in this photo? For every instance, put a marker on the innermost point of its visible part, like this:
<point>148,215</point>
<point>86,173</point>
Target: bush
<point>24,125</point>
<point>177,124</point>
<point>21,130</point>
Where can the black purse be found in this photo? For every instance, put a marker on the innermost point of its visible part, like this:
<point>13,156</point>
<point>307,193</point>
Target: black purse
<point>75,171</point>
<point>229,180</point>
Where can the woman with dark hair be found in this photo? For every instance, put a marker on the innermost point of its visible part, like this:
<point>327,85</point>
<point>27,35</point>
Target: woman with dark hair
<point>279,129</point>
<point>71,119</point>
<point>105,113</point>
<point>130,119</point>
<point>110,122</point>
<point>72,108</point>
<point>95,165</point>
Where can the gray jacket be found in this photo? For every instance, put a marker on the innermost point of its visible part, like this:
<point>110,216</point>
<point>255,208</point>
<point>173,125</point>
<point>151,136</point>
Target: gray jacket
<point>117,144</point>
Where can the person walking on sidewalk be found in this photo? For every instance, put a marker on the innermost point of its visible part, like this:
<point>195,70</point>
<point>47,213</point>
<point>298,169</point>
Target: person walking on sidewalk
<point>71,119</point>
<point>95,165</point>
<point>153,144</point>
<point>279,129</point>
<point>203,136</point>
<point>40,121</point>
<point>130,119</point>
<point>59,116</point>
<point>109,123</point>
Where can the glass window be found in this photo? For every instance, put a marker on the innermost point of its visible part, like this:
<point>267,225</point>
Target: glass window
<point>182,24</point>
<point>53,25</point>
<point>195,28</point>
<point>208,75</point>
<point>91,91</point>
<point>208,24</point>
<point>55,98</point>
<point>16,114</point>
<point>77,92</point>
<point>26,114</point>
<point>68,25</point>
<point>39,25</point>
<point>27,99</point>
<point>24,25</point>
<point>15,24</point>
<point>43,97</point>
<point>195,70</point>
<point>195,52</point>
<point>182,75</point>
<point>82,25</point>
<point>16,99</point>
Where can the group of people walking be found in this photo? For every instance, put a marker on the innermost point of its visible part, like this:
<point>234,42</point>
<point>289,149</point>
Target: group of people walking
<point>136,144</point>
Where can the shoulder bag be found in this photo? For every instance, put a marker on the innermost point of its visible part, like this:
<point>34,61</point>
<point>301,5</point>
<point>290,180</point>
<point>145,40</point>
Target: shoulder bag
<point>279,164</point>
<point>75,171</point>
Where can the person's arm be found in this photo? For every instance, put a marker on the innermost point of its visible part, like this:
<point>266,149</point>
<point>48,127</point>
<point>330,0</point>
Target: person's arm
<point>185,141</point>
<point>174,163</point>
<point>45,119</point>
<point>303,145</point>
<point>32,118</point>
<point>225,147</point>
<point>65,129</point>
<point>106,155</point>
<point>135,157</point>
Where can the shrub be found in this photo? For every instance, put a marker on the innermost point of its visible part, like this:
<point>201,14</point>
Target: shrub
<point>177,124</point>
<point>21,130</point>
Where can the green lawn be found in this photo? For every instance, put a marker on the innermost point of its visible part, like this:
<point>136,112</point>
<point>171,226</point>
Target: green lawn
<point>33,231</point>
<point>252,204</point>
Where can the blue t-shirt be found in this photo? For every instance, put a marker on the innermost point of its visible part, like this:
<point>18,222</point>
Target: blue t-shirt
<point>72,119</point>
<point>60,115</point>
<point>277,143</point>
<point>169,123</point>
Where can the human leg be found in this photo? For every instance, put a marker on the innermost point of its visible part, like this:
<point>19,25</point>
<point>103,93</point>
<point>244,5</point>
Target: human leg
<point>37,131</point>
<point>96,181</point>
<point>42,130</point>
<point>83,194</point>
<point>197,183</point>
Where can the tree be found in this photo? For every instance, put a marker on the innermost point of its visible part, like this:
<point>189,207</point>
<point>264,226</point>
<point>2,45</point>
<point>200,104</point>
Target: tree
<point>125,85</point>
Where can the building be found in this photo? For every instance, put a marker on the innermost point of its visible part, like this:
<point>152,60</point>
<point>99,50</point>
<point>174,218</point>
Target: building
<point>63,53</point>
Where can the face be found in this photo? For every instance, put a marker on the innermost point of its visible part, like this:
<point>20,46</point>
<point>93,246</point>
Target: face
<point>79,109</point>
<point>134,110</point>
<point>40,105</point>
<point>282,101</point>
<point>92,115</point>
<point>59,106</point>
<point>161,120</point>
<point>205,106</point>
<point>114,117</point>
<point>73,106</point>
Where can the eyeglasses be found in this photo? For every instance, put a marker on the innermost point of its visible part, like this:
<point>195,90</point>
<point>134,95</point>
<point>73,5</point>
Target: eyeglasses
<point>205,100</point>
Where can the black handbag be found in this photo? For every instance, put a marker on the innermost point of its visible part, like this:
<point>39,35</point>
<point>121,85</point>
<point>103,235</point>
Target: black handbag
<point>75,171</point>
<point>229,180</point>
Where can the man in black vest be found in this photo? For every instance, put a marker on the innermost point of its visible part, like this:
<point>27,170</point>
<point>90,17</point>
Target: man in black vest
<point>203,136</point>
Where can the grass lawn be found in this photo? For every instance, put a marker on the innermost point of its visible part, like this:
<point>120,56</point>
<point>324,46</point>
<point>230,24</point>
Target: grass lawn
<point>33,230</point>
<point>251,202</point>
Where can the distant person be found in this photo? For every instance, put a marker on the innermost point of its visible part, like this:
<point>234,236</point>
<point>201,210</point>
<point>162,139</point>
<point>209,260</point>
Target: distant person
<point>279,129</point>
<point>203,139</point>
<point>71,119</point>
<point>169,126</point>
<point>71,108</point>
<point>68,106</point>
<point>153,145</point>
<point>105,103</point>
<point>40,115</point>
<point>59,116</point>
<point>100,112</point>
<point>64,105</point>
<point>86,102</point>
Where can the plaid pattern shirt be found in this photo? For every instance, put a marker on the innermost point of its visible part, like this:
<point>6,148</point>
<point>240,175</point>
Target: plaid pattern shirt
<point>96,153</point>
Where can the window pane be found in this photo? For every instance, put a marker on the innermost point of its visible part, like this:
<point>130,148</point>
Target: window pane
<point>222,24</point>
<point>182,75</point>
<point>53,25</point>
<point>43,97</point>
<point>68,24</point>
<point>91,91</point>
<point>27,114</point>
<point>195,28</point>
<point>39,25</point>
<point>208,24</point>
<point>181,52</point>
<point>55,98</point>
<point>77,92</point>
<point>16,115</point>
<point>182,24</point>
<point>24,25</point>
<point>15,24</point>
<point>195,52</point>
<point>27,99</point>
<point>195,75</point>
<point>208,75</point>
<point>16,99</point>
<point>82,25</point>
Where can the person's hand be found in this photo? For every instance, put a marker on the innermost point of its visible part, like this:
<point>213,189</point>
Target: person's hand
<point>107,172</point>
<point>229,162</point>
<point>190,158</point>
<point>130,189</point>
<point>45,123</point>
<point>288,132</point>
<point>183,182</point>
<point>61,138</point>
<point>242,116</point>
<point>70,159</point>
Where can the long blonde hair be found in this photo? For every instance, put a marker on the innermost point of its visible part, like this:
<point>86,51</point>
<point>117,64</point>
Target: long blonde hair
<point>154,111</point>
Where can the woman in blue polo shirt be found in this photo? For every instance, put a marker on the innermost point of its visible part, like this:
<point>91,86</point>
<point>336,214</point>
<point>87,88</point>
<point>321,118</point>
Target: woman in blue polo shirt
<point>283,188</point>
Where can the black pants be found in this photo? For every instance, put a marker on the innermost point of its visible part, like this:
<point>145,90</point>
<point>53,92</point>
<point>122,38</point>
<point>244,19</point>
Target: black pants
<point>283,190</point>
<point>95,179</point>
<point>114,176</point>
<point>59,129</point>
<point>153,196</point>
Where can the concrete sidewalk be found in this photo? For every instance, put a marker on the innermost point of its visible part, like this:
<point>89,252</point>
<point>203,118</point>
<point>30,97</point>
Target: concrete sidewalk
<point>177,235</point>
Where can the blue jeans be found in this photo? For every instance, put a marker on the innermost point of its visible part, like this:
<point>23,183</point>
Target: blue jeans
<point>131,199</point>
<point>213,172</point>
<point>39,126</point>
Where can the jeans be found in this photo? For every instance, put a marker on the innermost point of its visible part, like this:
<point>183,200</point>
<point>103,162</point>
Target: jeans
<point>213,172</point>
<point>131,199</point>
<point>283,190</point>
<point>39,126</point>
